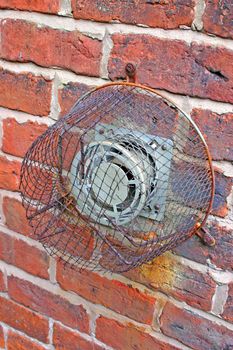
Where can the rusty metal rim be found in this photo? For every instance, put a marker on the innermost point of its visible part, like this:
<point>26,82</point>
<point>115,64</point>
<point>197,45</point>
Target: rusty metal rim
<point>126,83</point>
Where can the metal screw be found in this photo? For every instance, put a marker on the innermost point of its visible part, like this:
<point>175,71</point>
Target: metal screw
<point>164,147</point>
<point>101,131</point>
<point>130,71</point>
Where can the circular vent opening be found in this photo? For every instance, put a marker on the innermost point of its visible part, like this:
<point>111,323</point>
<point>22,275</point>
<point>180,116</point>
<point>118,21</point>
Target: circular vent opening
<point>116,182</point>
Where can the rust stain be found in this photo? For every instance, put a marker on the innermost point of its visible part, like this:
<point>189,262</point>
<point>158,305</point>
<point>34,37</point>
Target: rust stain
<point>161,272</point>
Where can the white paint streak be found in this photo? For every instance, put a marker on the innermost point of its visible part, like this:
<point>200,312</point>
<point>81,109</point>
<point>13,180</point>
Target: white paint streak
<point>106,50</point>
<point>65,8</point>
<point>219,299</point>
<point>199,11</point>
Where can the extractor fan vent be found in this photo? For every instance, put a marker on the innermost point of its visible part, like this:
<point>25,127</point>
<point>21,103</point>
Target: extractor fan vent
<point>123,177</point>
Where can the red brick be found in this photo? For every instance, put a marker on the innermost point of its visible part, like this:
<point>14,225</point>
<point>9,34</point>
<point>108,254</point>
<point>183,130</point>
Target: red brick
<point>16,341</point>
<point>112,294</point>
<point>22,319</point>
<point>48,304</point>
<point>228,307</point>
<point>2,282</point>
<point>64,339</point>
<point>69,94</point>
<point>33,260</point>
<point>194,330</point>
<point>218,17</point>
<point>26,42</point>
<point>9,174</point>
<point>220,255</point>
<point>16,217</point>
<point>46,6</point>
<point>127,337</point>
<point>25,92</point>
<point>218,132</point>
<point>2,341</point>
<point>163,14</point>
<point>173,278</point>
<point>18,137</point>
<point>223,187</point>
<point>182,68</point>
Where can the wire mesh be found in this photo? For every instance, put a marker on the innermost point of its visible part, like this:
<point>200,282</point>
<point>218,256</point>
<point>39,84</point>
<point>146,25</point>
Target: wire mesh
<point>122,178</point>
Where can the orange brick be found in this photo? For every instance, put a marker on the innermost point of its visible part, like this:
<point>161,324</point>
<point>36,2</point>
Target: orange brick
<point>69,94</point>
<point>16,341</point>
<point>46,6</point>
<point>193,330</point>
<point>27,42</point>
<point>9,174</point>
<point>46,303</point>
<point>64,339</point>
<point>24,320</point>
<point>25,92</point>
<point>163,14</point>
<point>15,216</point>
<point>32,260</point>
<point>113,294</point>
<point>218,17</point>
<point>18,137</point>
<point>127,337</point>
<point>196,70</point>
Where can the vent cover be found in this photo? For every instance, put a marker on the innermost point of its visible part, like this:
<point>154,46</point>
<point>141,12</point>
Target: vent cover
<point>122,178</point>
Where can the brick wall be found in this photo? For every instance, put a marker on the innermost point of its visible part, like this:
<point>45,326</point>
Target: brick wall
<point>52,51</point>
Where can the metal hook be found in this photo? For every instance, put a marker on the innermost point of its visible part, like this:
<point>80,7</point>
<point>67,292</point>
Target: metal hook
<point>130,71</point>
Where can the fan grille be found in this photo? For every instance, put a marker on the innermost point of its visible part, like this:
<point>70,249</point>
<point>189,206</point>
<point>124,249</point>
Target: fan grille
<point>122,178</point>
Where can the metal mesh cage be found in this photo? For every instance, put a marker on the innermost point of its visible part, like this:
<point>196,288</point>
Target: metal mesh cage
<point>122,178</point>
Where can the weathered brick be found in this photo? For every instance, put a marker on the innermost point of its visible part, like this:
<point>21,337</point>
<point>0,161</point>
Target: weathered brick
<point>2,341</point>
<point>2,282</point>
<point>27,42</point>
<point>9,174</point>
<point>194,330</point>
<point>18,137</point>
<point>218,132</point>
<point>228,307</point>
<point>163,14</point>
<point>100,290</point>
<point>16,217</point>
<point>223,187</point>
<point>173,278</point>
<point>33,260</point>
<point>65,339</point>
<point>25,92</point>
<point>16,341</point>
<point>69,94</point>
<point>220,255</point>
<point>46,303</point>
<point>218,17</point>
<point>46,6</point>
<point>127,337</point>
<point>22,319</point>
<point>182,68</point>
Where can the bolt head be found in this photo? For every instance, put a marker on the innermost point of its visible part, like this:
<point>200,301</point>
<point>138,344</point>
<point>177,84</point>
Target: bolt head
<point>101,131</point>
<point>164,147</point>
